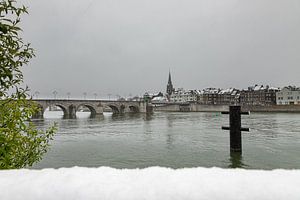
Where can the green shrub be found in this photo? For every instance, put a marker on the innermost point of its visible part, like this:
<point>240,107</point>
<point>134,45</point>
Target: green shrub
<point>21,143</point>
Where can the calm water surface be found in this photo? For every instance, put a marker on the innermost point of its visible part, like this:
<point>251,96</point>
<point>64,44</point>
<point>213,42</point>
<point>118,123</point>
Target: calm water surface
<point>173,140</point>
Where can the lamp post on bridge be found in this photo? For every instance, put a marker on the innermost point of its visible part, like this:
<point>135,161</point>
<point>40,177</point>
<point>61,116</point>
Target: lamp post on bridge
<point>37,94</point>
<point>68,94</point>
<point>54,93</point>
<point>84,95</point>
<point>95,95</point>
<point>109,96</point>
<point>130,96</point>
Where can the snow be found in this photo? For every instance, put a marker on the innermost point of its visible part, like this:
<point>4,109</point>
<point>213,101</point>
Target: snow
<point>159,99</point>
<point>211,91</point>
<point>274,88</point>
<point>226,91</point>
<point>151,183</point>
<point>258,87</point>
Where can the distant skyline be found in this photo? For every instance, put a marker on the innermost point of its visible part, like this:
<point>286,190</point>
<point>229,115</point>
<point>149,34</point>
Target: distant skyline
<point>128,46</point>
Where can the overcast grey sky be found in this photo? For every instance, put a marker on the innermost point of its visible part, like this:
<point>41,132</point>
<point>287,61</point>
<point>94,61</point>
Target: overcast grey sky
<point>128,46</point>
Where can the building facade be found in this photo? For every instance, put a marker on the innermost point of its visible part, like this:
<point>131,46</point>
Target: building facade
<point>216,96</point>
<point>209,96</point>
<point>180,96</point>
<point>288,96</point>
<point>229,96</point>
<point>258,95</point>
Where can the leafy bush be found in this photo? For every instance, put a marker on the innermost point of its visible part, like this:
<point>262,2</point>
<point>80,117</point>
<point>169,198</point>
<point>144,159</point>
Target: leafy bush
<point>21,143</point>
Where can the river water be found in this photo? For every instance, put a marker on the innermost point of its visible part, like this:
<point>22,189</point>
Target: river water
<point>175,140</point>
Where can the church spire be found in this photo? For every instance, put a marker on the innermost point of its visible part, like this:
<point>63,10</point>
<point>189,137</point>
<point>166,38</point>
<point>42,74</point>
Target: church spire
<point>170,85</point>
<point>170,80</point>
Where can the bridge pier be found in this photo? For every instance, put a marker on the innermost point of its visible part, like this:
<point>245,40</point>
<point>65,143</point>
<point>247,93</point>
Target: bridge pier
<point>98,111</point>
<point>146,107</point>
<point>38,115</point>
<point>71,112</point>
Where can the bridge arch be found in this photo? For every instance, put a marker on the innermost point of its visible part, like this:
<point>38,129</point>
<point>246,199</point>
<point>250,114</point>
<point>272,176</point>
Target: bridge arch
<point>90,107</point>
<point>64,108</point>
<point>134,109</point>
<point>115,109</point>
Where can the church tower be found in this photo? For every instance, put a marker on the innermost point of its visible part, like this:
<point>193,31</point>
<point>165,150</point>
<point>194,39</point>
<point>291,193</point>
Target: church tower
<point>170,88</point>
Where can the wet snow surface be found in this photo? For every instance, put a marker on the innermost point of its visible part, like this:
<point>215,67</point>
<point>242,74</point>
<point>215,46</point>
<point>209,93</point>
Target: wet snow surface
<point>150,183</point>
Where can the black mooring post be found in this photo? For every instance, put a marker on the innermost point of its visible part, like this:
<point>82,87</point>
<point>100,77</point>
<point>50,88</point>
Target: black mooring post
<point>235,128</point>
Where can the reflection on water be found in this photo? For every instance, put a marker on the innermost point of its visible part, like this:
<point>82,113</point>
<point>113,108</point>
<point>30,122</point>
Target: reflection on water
<point>236,160</point>
<point>174,140</point>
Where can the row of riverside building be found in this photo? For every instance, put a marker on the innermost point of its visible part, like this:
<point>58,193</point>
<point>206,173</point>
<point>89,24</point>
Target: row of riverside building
<point>256,95</point>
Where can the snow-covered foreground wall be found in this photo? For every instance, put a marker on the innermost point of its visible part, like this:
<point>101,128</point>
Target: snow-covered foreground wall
<point>151,183</point>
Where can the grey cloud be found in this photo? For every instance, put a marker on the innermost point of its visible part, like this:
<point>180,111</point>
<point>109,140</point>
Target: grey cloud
<point>128,46</point>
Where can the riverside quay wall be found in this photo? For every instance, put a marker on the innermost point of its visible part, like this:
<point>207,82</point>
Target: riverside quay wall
<point>194,107</point>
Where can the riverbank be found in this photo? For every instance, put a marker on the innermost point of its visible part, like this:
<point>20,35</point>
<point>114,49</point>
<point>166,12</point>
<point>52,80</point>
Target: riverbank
<point>193,107</point>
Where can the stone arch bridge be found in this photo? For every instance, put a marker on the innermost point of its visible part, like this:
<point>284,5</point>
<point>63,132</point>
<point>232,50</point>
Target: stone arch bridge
<point>96,107</point>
